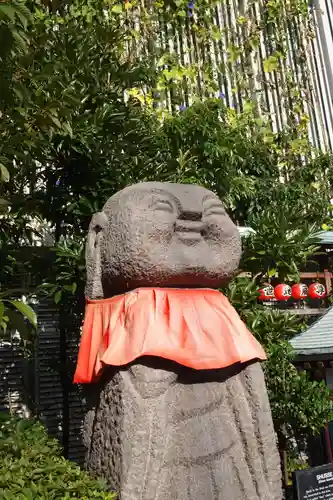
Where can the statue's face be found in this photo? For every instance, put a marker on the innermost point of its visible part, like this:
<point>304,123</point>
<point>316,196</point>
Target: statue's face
<point>167,235</point>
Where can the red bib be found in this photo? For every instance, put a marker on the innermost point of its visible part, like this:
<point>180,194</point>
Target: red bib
<point>197,328</point>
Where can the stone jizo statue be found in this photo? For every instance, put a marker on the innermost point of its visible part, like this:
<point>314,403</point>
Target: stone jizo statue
<point>178,404</point>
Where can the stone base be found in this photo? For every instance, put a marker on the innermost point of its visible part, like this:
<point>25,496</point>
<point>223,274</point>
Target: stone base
<point>160,431</point>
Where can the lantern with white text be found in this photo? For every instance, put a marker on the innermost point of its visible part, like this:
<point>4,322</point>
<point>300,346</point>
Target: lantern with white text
<point>266,293</point>
<point>317,291</point>
<point>299,291</point>
<point>282,292</point>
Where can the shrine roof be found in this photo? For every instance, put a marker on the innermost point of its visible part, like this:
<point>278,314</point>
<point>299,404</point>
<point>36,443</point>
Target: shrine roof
<point>318,338</point>
<point>326,237</point>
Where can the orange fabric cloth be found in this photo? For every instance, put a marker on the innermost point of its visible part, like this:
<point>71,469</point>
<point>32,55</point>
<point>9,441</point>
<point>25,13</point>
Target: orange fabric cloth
<point>197,328</point>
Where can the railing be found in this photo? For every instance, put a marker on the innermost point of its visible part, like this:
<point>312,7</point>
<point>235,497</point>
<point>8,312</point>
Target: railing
<point>321,65</point>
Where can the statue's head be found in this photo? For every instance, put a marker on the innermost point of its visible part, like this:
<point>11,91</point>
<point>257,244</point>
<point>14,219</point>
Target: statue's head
<point>157,234</point>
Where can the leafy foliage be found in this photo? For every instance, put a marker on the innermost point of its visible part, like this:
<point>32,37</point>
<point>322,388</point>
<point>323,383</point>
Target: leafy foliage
<point>31,466</point>
<point>300,406</point>
<point>78,123</point>
<point>70,266</point>
<point>67,127</point>
<point>281,245</point>
<point>14,312</point>
<point>14,18</point>
<point>238,156</point>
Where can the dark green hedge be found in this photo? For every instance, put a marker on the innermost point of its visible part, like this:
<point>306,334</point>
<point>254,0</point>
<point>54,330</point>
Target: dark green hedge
<point>31,466</point>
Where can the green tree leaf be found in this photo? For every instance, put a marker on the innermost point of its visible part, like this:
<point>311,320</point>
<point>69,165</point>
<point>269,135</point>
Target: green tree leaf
<point>2,310</point>
<point>26,310</point>
<point>4,174</point>
<point>8,10</point>
<point>16,322</point>
<point>57,296</point>
<point>117,9</point>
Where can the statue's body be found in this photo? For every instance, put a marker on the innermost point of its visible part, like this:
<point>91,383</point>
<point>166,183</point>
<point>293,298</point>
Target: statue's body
<point>157,430</point>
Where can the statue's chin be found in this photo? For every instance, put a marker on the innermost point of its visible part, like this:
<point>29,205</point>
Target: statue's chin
<point>194,278</point>
<point>170,266</point>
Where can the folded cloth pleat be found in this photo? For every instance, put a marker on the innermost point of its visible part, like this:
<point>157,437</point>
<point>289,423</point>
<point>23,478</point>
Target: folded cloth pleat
<point>197,328</point>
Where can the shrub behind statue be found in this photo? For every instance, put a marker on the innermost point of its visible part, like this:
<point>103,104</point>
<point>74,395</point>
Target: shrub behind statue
<point>31,466</point>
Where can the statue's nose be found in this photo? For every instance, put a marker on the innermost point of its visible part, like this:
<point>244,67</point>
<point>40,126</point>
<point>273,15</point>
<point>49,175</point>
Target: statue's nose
<point>190,215</point>
<point>189,226</point>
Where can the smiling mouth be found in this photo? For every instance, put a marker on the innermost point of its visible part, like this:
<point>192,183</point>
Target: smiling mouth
<point>189,236</point>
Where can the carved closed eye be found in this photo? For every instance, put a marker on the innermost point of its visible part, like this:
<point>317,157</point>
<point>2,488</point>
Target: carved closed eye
<point>215,209</point>
<point>164,206</point>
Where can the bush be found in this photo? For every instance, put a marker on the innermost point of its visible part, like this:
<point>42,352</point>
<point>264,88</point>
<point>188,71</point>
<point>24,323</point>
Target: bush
<point>31,466</point>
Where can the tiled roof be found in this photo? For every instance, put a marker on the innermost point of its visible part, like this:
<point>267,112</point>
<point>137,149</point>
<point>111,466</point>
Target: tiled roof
<point>245,231</point>
<point>318,338</point>
<point>326,237</point>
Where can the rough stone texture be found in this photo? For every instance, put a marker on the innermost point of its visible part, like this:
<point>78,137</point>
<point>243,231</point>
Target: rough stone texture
<point>164,432</point>
<point>156,430</point>
<point>162,235</point>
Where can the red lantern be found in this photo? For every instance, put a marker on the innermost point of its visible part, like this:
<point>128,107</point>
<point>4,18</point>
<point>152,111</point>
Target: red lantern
<point>266,293</point>
<point>317,291</point>
<point>282,292</point>
<point>299,291</point>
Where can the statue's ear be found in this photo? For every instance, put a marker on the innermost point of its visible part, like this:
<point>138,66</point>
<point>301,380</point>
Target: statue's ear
<point>96,234</point>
